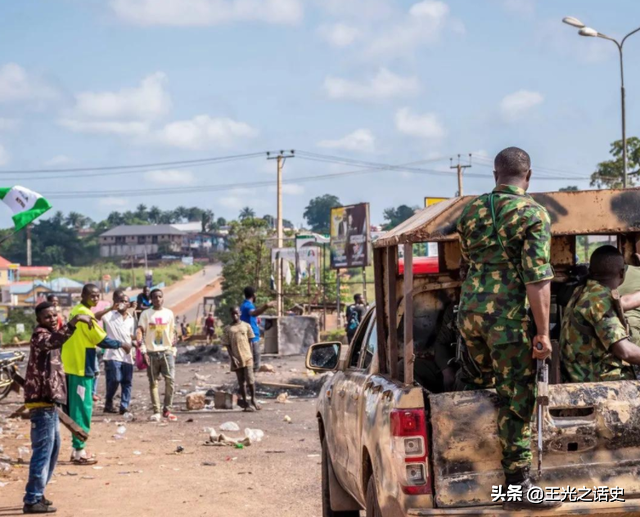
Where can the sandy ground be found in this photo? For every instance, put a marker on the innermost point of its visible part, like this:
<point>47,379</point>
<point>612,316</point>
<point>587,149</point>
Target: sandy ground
<point>140,474</point>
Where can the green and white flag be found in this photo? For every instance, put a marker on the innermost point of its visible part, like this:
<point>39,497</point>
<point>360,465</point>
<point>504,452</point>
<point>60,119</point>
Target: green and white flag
<point>25,204</point>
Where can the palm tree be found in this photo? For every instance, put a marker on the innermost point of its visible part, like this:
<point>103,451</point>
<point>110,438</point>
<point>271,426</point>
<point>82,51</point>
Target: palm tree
<point>141,212</point>
<point>74,220</point>
<point>194,214</point>
<point>247,213</point>
<point>180,213</point>
<point>154,215</point>
<point>207,220</point>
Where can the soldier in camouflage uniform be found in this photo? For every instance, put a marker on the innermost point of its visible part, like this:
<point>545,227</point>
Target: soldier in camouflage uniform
<point>506,240</point>
<point>595,336</point>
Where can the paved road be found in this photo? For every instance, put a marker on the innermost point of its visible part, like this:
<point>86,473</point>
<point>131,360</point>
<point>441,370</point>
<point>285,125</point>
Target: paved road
<point>182,290</point>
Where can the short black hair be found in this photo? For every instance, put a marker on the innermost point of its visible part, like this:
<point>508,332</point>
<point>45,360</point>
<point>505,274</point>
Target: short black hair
<point>356,296</point>
<point>41,307</point>
<point>156,291</point>
<point>50,297</point>
<point>87,288</point>
<point>249,292</point>
<point>512,162</point>
<point>605,262</point>
<point>117,293</point>
<point>233,309</point>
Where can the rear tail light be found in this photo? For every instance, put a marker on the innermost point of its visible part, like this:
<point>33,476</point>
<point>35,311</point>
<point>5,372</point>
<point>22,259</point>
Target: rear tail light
<point>410,447</point>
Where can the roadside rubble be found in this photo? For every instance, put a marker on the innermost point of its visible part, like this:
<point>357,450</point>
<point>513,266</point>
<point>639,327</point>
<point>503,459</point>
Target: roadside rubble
<point>201,354</point>
<point>251,436</point>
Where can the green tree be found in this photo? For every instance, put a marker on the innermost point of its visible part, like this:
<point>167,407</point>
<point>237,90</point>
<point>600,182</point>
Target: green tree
<point>154,215</point>
<point>180,214</point>
<point>194,214</point>
<point>395,216</point>
<point>609,173</point>
<point>270,220</point>
<point>221,222</point>
<point>247,213</point>
<point>141,212</point>
<point>207,221</point>
<point>75,220</point>
<point>570,188</point>
<point>247,262</point>
<point>318,212</point>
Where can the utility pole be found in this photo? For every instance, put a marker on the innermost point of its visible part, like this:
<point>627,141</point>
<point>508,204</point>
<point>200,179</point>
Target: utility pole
<point>460,168</point>
<point>280,159</point>
<point>29,226</point>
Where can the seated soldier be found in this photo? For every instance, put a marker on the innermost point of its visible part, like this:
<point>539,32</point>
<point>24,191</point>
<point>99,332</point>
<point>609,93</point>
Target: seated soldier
<point>594,340</point>
<point>628,291</point>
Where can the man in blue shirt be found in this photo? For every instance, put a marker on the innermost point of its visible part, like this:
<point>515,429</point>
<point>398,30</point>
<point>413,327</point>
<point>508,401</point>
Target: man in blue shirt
<point>249,314</point>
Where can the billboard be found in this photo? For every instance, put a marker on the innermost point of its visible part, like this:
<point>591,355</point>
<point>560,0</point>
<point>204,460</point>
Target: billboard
<point>428,201</point>
<point>350,236</point>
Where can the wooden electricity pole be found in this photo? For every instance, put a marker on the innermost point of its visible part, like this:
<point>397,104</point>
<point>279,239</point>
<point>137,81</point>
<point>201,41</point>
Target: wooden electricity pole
<point>459,167</point>
<point>280,159</point>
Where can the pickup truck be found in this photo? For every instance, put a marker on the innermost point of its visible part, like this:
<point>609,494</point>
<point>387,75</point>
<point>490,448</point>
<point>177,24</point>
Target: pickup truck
<point>393,448</point>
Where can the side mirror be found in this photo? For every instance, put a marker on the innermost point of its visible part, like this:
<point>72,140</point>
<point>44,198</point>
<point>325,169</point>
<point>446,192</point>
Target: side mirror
<point>323,357</point>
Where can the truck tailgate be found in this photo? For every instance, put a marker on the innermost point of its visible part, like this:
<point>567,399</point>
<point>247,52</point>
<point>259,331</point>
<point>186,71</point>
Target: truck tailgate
<point>628,508</point>
<point>591,439</point>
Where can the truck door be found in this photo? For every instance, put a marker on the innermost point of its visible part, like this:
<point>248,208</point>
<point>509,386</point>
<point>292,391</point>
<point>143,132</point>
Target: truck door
<point>341,404</point>
<point>355,407</point>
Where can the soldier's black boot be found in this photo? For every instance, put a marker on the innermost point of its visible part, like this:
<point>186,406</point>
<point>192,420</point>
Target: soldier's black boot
<point>531,495</point>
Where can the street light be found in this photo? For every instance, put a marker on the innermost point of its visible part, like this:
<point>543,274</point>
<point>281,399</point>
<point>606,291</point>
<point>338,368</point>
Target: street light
<point>592,33</point>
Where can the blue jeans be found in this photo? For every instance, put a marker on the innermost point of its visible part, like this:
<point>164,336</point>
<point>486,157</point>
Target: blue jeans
<point>95,379</point>
<point>118,374</point>
<point>45,446</point>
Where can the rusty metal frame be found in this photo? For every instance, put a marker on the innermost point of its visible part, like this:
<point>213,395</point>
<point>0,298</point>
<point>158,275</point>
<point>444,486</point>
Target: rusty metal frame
<point>392,309</point>
<point>379,255</point>
<point>407,287</point>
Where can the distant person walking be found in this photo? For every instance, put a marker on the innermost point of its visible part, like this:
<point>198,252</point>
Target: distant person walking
<point>210,327</point>
<point>118,364</point>
<point>143,301</point>
<point>44,389</point>
<point>249,314</point>
<point>79,361</point>
<point>156,331</point>
<point>237,339</point>
<point>355,314</point>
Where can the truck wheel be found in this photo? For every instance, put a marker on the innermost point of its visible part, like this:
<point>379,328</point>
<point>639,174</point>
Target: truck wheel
<point>373,508</point>
<point>326,493</point>
<point>6,382</point>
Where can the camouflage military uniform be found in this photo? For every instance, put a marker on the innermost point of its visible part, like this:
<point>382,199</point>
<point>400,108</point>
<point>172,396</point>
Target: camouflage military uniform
<point>492,318</point>
<point>591,325</point>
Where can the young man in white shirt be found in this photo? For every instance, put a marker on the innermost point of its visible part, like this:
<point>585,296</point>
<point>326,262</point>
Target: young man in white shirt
<point>118,364</point>
<point>156,331</point>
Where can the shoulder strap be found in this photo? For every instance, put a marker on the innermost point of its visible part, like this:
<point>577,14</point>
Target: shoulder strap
<point>497,233</point>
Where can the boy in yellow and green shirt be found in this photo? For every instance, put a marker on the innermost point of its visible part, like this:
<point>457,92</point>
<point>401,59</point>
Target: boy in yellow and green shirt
<point>79,362</point>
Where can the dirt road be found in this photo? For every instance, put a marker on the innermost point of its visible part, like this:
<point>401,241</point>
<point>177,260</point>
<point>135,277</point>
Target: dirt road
<point>140,473</point>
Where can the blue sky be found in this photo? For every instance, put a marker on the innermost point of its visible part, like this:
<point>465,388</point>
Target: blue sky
<point>88,83</point>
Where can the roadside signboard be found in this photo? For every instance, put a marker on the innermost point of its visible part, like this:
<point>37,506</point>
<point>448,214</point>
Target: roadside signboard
<point>428,201</point>
<point>350,236</point>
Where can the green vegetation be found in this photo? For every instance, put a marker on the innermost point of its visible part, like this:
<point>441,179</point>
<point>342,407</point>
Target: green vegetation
<point>609,173</point>
<point>318,212</point>
<point>396,216</point>
<point>16,316</point>
<point>167,274</point>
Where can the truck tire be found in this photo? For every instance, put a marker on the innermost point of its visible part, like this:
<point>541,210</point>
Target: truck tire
<point>326,493</point>
<point>6,382</point>
<point>373,508</point>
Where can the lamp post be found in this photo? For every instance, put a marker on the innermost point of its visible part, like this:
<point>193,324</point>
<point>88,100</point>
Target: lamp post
<point>592,33</point>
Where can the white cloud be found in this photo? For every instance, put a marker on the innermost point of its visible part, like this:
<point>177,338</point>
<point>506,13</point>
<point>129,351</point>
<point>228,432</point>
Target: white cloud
<point>521,7</point>
<point>4,156</point>
<point>203,132</point>
<point>237,199</point>
<point>170,177</point>
<point>384,85</point>
<point>360,140</point>
<point>145,102</point>
<point>129,129</point>
<point>18,85</point>
<point>112,201</point>
<point>207,12</point>
<point>423,25</point>
<point>514,106</point>
<point>60,159</point>
<point>339,35</point>
<point>426,126</point>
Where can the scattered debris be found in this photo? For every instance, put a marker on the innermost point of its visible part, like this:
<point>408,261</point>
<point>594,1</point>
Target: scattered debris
<point>224,400</point>
<point>282,385</point>
<point>2,485</point>
<point>229,426</point>
<point>287,419</point>
<point>275,452</point>
<point>283,398</point>
<point>5,468</point>
<point>137,453</point>
<point>267,368</point>
<point>121,430</point>
<point>23,453</point>
<point>255,435</point>
<point>313,455</point>
<point>201,378</point>
<point>209,464</point>
<point>200,354</point>
<point>196,401</point>
<point>179,449</point>
<point>223,440</point>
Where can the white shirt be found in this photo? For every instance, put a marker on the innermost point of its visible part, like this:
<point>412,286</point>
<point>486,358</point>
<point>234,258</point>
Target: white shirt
<point>121,329</point>
<point>158,328</point>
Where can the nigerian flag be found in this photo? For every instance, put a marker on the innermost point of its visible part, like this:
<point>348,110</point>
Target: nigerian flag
<point>25,204</point>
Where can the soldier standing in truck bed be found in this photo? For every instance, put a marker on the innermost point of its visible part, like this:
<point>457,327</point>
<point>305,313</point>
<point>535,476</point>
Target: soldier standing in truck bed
<point>506,240</point>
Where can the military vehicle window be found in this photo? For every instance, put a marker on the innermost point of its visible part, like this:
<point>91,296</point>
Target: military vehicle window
<point>587,244</point>
<point>356,344</point>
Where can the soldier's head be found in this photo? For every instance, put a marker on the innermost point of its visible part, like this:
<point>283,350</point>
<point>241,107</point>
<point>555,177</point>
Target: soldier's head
<point>512,166</point>
<point>607,266</point>
<point>47,316</point>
